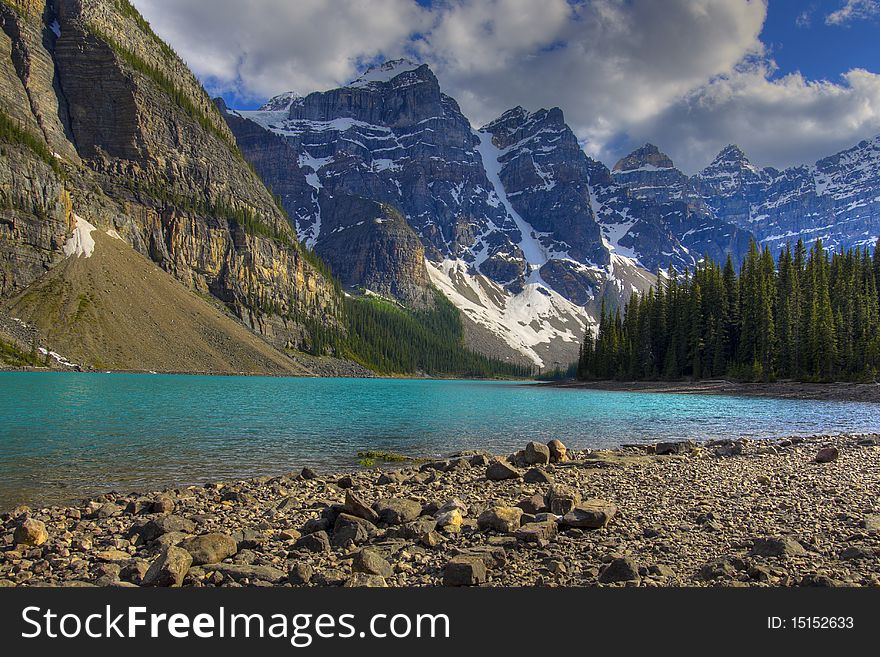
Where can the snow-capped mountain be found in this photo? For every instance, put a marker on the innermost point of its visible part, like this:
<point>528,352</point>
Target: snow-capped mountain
<point>387,180</point>
<point>836,199</point>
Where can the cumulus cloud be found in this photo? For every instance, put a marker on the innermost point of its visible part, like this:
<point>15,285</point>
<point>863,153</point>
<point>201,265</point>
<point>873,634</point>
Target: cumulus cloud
<point>690,75</point>
<point>854,10</point>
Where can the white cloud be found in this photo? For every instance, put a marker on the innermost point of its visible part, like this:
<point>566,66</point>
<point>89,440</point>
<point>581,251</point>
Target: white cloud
<point>778,122</point>
<point>854,10</point>
<point>689,75</point>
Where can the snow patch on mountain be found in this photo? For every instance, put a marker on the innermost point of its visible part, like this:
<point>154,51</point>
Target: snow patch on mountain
<point>529,321</point>
<point>81,242</point>
<point>384,72</point>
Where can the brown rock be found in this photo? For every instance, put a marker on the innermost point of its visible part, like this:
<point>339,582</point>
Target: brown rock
<point>500,518</point>
<point>537,453</point>
<point>590,514</point>
<point>558,451</point>
<point>210,548</point>
<point>464,570</point>
<point>562,499</point>
<point>827,455</point>
<point>30,532</point>
<point>500,469</point>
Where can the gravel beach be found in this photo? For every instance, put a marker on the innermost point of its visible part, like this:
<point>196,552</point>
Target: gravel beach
<point>786,512</point>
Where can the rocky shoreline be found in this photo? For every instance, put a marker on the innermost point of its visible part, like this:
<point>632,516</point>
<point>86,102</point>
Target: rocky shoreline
<point>785,512</point>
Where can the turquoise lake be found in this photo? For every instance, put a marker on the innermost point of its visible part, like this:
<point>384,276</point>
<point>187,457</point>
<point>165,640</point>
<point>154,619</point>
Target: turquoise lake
<point>64,436</point>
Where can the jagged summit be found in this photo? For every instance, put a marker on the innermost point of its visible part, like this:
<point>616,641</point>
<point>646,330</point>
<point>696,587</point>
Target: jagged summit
<point>281,102</point>
<point>646,156</point>
<point>385,72</point>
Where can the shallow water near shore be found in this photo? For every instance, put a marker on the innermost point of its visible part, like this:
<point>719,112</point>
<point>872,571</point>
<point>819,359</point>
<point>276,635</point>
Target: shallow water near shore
<point>65,435</point>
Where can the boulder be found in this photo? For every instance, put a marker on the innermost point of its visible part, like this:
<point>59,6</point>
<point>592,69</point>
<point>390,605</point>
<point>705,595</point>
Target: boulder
<point>210,548</point>
<point>413,531</point>
<point>558,451</point>
<point>30,532</point>
<point>162,504</point>
<point>537,453</point>
<point>590,514</point>
<point>501,469</point>
<point>500,518</point>
<point>169,568</point>
<point>827,455</point>
<point>464,570</point>
<point>397,511</point>
<point>371,562</point>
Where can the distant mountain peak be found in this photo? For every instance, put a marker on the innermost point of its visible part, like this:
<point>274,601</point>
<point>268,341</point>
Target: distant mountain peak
<point>385,72</point>
<point>646,156</point>
<point>281,102</point>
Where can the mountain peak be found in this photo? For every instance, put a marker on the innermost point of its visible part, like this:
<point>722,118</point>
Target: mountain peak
<point>281,102</point>
<point>731,153</point>
<point>385,72</point>
<point>647,155</point>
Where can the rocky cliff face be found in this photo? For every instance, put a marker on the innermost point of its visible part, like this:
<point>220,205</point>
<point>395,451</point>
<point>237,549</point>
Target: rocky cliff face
<point>119,131</point>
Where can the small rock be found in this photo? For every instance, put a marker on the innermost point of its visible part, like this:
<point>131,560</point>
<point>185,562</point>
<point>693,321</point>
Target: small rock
<point>308,473</point>
<point>501,469</point>
<point>872,522</point>
<point>590,514</point>
<point>300,574</point>
<point>355,506</point>
<point>464,570</point>
<point>562,499</point>
<point>558,451</point>
<point>450,521</point>
<point>210,548</point>
<point>371,562</point>
<point>345,482</point>
<point>314,542</point>
<point>855,552</point>
<point>162,504</point>
<point>535,532</point>
<point>827,455</point>
<point>783,546</point>
<point>351,530</point>
<point>534,504</point>
<point>537,453</point>
<point>169,568</point>
<point>397,511</point>
<point>537,476</point>
<point>365,580</point>
<point>621,569</point>
<point>500,518</point>
<point>675,447</point>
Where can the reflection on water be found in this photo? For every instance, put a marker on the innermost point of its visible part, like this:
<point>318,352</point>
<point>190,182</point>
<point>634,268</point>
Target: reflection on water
<point>67,435</point>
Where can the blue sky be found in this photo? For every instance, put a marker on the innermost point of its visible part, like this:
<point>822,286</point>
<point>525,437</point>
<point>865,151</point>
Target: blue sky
<point>789,81</point>
<point>799,39</point>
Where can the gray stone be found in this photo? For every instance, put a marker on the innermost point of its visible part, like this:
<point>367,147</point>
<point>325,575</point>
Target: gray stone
<point>315,542</point>
<point>371,562</point>
<point>169,568</point>
<point>537,476</point>
<point>590,514</point>
<point>365,580</point>
<point>300,574</point>
<point>500,518</point>
<point>356,506</point>
<point>827,455</point>
<point>562,499</point>
<point>397,511</point>
<point>501,469</point>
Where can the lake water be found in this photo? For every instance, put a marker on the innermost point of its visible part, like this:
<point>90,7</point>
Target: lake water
<point>64,436</point>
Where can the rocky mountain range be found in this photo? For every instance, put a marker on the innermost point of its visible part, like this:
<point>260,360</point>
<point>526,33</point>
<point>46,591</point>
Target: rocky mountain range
<point>391,185</point>
<point>102,125</point>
